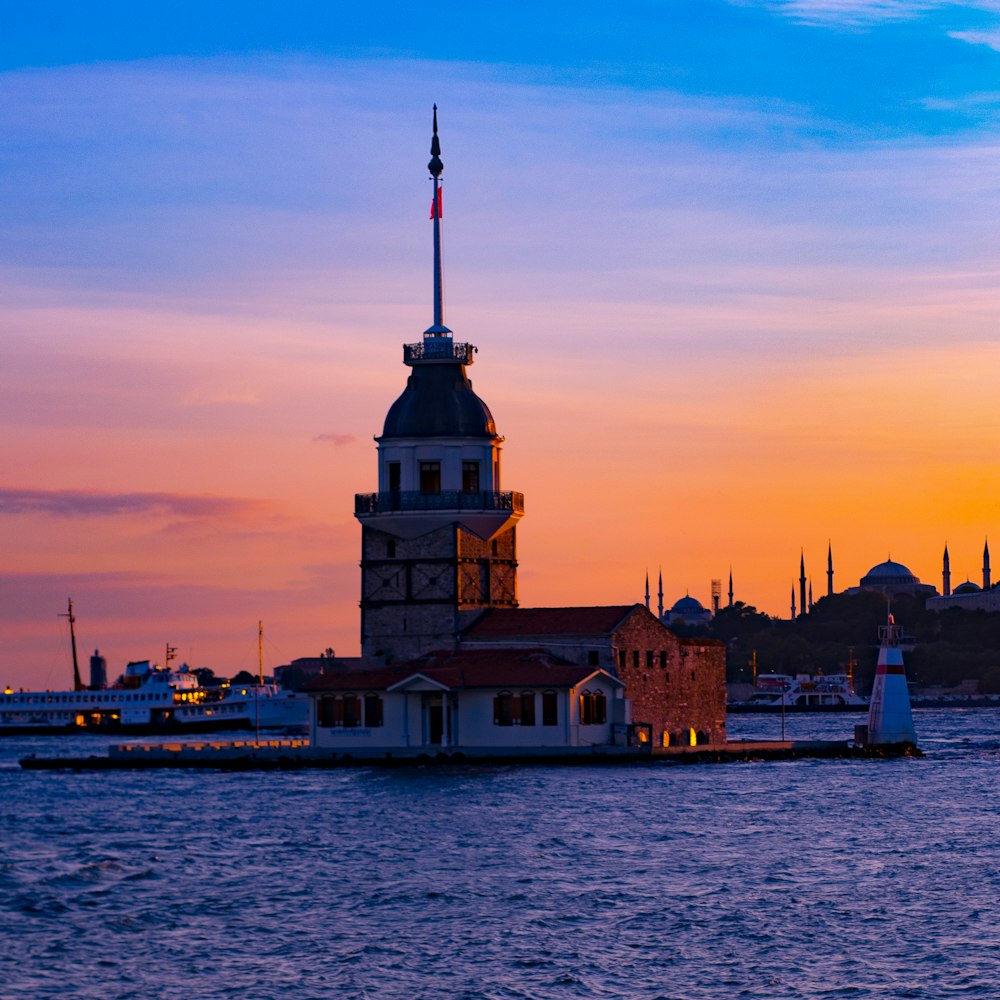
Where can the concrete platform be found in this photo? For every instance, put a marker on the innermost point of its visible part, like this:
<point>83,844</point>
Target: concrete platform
<point>295,754</point>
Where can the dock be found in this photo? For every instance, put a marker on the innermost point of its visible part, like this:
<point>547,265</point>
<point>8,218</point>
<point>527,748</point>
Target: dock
<point>297,754</point>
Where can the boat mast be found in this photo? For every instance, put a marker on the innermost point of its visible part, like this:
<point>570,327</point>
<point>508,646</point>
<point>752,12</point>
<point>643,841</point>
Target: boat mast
<point>260,651</point>
<point>77,681</point>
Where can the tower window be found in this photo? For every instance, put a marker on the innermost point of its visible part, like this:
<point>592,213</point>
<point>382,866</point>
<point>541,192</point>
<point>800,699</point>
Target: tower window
<point>470,477</point>
<point>393,477</point>
<point>430,477</point>
<point>495,547</point>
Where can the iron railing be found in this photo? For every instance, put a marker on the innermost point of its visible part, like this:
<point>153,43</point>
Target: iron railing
<point>444,349</point>
<point>413,500</point>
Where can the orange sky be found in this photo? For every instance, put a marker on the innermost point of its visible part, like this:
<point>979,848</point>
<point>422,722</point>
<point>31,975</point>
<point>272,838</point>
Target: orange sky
<point>751,341</point>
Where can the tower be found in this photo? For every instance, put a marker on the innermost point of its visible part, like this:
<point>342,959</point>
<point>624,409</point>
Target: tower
<point>793,602</point>
<point>802,583</point>
<point>660,597</point>
<point>437,539</point>
<point>647,589</point>
<point>889,717</point>
<point>716,596</point>
<point>730,586</point>
<point>829,570</point>
<point>986,565</point>
<point>946,573</point>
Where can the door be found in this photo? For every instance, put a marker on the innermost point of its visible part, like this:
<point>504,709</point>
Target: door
<point>435,723</point>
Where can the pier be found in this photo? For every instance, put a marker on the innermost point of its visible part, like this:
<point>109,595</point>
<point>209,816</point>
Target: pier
<point>297,754</point>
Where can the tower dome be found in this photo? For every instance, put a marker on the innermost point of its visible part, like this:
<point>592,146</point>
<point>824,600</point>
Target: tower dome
<point>438,401</point>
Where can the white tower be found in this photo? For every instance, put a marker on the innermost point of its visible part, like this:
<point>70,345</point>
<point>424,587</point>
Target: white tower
<point>889,717</point>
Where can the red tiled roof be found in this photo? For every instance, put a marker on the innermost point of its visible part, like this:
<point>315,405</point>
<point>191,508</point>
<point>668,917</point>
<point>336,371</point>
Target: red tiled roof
<point>472,668</point>
<point>549,621</point>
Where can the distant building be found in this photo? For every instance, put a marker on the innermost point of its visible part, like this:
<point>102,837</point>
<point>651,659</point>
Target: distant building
<point>968,595</point>
<point>893,579</point>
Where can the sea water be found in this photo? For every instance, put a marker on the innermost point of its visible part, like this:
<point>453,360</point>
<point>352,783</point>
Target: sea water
<point>827,878</point>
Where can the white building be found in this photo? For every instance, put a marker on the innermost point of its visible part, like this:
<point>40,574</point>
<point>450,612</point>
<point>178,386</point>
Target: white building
<point>480,702</point>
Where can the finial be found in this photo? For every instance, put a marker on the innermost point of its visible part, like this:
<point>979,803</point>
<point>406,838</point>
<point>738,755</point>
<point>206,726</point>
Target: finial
<point>436,167</point>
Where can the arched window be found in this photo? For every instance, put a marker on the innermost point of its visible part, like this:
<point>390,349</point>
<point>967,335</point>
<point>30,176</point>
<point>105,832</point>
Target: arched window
<point>600,708</point>
<point>586,708</point>
<point>527,708</point>
<point>550,708</point>
<point>503,709</point>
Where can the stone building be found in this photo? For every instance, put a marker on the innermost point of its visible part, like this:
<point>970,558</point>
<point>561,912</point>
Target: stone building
<point>439,580</point>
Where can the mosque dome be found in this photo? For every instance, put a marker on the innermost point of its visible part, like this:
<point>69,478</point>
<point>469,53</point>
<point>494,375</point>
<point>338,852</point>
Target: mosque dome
<point>687,605</point>
<point>968,588</point>
<point>438,401</point>
<point>889,574</point>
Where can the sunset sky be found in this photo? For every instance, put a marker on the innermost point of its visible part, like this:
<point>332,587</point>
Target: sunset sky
<point>732,269</point>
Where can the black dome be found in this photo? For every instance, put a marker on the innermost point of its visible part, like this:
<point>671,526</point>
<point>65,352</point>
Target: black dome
<point>438,401</point>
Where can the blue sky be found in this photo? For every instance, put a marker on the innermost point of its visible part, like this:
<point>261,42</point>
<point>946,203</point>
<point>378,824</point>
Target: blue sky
<point>716,256</point>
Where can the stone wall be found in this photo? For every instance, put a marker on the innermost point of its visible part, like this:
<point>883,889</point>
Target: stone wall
<point>677,686</point>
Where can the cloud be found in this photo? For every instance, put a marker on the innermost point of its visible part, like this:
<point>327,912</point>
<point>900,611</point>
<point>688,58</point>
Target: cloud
<point>860,13</point>
<point>339,440</point>
<point>989,38</point>
<point>84,503</point>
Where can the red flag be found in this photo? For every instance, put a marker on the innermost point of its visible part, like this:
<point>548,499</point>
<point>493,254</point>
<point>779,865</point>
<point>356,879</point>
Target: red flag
<point>437,206</point>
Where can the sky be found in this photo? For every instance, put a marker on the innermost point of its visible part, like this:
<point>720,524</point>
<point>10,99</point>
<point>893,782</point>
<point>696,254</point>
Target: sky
<point>732,268</point>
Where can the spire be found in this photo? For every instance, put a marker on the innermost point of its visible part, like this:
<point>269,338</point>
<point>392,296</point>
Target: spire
<point>793,602</point>
<point>730,586</point>
<point>986,565</point>
<point>647,589</point>
<point>810,595</point>
<point>436,168</point>
<point>660,596</point>
<point>829,569</point>
<point>802,583</point>
<point>946,573</point>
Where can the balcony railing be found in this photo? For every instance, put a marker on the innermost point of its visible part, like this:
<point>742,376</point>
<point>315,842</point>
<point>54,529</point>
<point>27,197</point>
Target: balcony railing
<point>412,500</point>
<point>443,349</point>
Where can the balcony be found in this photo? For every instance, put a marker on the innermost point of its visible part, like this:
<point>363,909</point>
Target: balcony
<point>438,349</point>
<point>406,501</point>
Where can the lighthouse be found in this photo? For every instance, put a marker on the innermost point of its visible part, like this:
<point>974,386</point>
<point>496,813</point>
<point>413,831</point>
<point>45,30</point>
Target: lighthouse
<point>438,541</point>
<point>890,720</point>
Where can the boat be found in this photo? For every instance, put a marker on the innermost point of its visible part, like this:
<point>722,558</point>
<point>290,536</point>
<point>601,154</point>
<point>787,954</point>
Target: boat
<point>154,699</point>
<point>802,693</point>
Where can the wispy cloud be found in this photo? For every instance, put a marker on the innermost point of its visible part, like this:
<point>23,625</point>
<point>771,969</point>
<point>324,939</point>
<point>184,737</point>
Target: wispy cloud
<point>988,38</point>
<point>339,440</point>
<point>860,13</point>
<point>83,503</point>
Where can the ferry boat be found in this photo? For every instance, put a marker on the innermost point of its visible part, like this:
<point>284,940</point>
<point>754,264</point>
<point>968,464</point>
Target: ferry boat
<point>151,699</point>
<point>802,693</point>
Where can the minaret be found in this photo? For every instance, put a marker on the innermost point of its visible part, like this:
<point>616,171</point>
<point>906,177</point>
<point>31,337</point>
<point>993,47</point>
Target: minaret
<point>889,717</point>
<point>793,602</point>
<point>730,586</point>
<point>810,594</point>
<point>986,565</point>
<point>437,539</point>
<point>647,589</point>
<point>946,573</point>
<point>660,597</point>
<point>829,570</point>
<point>802,582</point>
